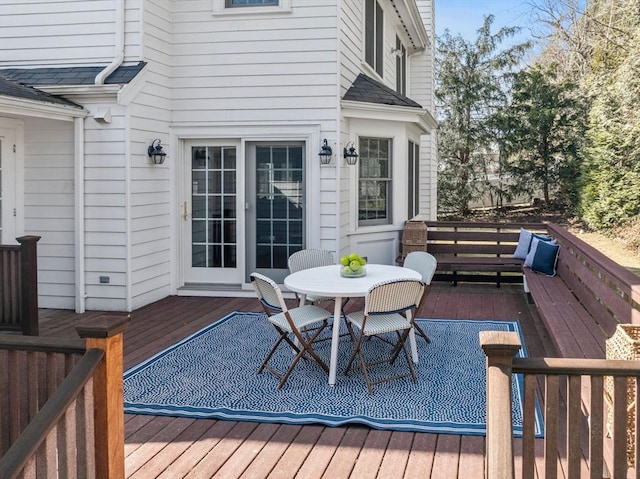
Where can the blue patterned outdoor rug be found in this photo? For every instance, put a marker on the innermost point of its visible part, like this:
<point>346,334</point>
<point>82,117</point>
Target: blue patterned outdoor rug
<point>212,374</point>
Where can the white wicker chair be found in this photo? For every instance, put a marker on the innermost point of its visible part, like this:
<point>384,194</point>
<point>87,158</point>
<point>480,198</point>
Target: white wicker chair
<point>289,323</point>
<point>425,264</point>
<point>312,258</point>
<point>385,308</point>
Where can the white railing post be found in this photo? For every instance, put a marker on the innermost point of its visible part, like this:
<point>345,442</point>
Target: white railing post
<point>500,348</point>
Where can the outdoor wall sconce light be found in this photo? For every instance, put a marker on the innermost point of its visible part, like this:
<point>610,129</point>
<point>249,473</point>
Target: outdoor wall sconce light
<point>350,154</point>
<point>325,153</point>
<point>156,153</point>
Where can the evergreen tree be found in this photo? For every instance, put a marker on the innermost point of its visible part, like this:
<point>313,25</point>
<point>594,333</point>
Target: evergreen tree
<point>543,126</point>
<point>471,82</point>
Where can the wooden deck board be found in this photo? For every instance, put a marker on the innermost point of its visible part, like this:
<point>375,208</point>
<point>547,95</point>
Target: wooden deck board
<point>164,447</point>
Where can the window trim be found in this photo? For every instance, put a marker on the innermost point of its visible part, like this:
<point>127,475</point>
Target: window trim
<point>388,220</point>
<point>219,7</point>
<point>413,179</point>
<point>373,37</point>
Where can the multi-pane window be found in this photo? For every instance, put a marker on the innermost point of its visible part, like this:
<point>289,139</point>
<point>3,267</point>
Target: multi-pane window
<point>249,3</point>
<point>401,67</point>
<point>374,181</point>
<point>373,35</point>
<point>413,183</point>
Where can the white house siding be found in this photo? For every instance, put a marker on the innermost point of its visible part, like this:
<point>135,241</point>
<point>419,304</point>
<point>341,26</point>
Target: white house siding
<point>150,189</point>
<point>69,32</point>
<point>105,208</point>
<point>255,70</point>
<point>49,207</point>
<point>382,242</point>
<point>424,90</point>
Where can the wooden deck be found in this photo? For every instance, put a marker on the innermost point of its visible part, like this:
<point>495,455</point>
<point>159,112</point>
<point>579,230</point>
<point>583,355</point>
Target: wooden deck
<point>186,448</point>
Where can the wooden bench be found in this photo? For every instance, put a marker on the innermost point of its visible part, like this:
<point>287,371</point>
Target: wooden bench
<point>590,295</point>
<point>583,304</point>
<point>477,252</point>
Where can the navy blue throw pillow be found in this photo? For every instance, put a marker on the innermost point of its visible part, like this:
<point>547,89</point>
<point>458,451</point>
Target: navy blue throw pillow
<point>545,258</point>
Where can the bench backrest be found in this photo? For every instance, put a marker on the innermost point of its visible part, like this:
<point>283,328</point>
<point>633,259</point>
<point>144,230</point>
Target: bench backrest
<point>471,238</point>
<point>610,292</point>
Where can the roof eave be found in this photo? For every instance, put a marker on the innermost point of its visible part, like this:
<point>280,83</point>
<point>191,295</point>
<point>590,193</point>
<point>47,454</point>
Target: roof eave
<point>410,15</point>
<point>23,107</point>
<point>376,111</point>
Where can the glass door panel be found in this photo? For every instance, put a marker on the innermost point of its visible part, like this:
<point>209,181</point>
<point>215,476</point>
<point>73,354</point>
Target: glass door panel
<point>212,225</point>
<point>278,217</point>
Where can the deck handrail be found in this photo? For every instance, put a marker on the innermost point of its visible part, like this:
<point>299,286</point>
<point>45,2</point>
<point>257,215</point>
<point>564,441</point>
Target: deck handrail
<point>51,429</point>
<point>500,349</point>
<point>51,414</point>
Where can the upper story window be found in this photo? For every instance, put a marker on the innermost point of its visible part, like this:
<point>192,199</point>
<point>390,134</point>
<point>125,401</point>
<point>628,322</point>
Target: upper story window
<point>401,67</point>
<point>249,7</point>
<point>373,35</point>
<point>374,182</point>
<point>249,3</point>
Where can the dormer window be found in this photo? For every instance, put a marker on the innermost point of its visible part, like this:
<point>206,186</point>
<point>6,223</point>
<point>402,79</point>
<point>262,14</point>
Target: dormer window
<point>373,35</point>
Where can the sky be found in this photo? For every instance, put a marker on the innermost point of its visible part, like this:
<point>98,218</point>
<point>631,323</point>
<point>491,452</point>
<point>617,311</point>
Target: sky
<point>464,17</point>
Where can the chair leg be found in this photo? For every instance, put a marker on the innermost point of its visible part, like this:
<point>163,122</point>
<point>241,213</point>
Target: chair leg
<point>421,332</point>
<point>305,347</point>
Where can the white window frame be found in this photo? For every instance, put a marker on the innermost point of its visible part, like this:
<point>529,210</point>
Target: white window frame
<point>220,8</point>
<point>413,179</point>
<point>388,220</point>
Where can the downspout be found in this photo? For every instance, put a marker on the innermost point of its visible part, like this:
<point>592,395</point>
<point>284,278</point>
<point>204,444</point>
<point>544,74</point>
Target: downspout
<point>119,45</point>
<point>79,215</point>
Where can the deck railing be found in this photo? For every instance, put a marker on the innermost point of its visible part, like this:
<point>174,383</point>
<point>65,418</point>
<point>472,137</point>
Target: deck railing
<point>61,403</point>
<point>19,286</point>
<point>571,393</point>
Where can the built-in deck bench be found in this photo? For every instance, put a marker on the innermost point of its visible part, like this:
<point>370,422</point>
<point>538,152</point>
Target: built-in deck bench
<point>581,307</point>
<point>590,295</point>
<point>477,252</point>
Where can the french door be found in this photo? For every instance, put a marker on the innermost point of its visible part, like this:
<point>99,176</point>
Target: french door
<point>275,207</point>
<point>241,215</point>
<point>211,214</point>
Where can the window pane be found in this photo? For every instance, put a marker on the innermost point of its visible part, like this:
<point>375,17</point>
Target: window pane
<point>250,3</point>
<point>369,33</point>
<point>379,39</point>
<point>374,205</point>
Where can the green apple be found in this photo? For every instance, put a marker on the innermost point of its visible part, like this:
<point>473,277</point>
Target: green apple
<point>344,261</point>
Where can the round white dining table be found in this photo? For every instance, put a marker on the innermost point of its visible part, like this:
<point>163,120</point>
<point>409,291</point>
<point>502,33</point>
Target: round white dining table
<point>327,281</point>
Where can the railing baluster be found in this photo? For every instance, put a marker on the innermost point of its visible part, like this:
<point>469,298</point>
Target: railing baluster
<point>552,385</point>
<point>528,427</point>
<point>574,424</point>
<point>619,427</point>
<point>596,426</point>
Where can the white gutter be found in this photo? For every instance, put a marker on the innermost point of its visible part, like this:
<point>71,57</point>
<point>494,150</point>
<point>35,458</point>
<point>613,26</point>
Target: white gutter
<point>119,45</point>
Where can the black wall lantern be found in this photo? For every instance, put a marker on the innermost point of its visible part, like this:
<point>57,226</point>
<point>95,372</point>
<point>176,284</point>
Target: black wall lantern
<point>325,153</point>
<point>156,153</point>
<point>350,154</point>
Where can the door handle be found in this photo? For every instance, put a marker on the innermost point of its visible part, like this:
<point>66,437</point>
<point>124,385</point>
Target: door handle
<point>185,211</point>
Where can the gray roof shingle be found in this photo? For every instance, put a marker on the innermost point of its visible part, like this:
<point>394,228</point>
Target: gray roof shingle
<point>70,75</point>
<point>17,90</point>
<point>368,90</point>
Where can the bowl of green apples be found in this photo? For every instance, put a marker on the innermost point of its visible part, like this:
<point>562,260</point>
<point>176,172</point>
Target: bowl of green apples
<point>353,266</point>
